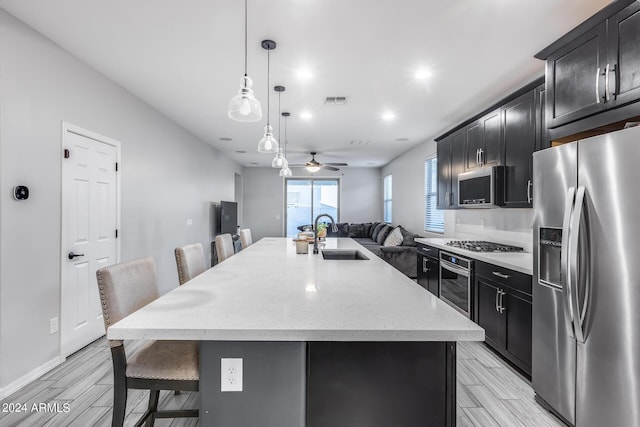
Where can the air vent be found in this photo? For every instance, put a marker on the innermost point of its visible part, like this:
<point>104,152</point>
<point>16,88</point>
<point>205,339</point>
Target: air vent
<point>335,100</point>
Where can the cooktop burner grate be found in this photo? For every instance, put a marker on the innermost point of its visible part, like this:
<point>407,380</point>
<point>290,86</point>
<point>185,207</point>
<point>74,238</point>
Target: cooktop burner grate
<point>482,246</point>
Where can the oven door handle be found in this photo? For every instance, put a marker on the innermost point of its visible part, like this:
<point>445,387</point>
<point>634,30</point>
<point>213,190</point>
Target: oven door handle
<point>453,268</point>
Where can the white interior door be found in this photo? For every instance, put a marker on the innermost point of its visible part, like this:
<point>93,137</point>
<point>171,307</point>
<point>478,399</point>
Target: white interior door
<point>89,232</point>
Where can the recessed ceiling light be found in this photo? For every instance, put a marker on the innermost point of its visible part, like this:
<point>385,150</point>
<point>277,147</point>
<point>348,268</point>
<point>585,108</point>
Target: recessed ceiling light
<point>225,139</point>
<point>254,164</point>
<point>304,74</point>
<point>422,74</point>
<point>402,139</point>
<point>306,115</point>
<point>240,151</point>
<point>388,116</point>
<point>370,163</point>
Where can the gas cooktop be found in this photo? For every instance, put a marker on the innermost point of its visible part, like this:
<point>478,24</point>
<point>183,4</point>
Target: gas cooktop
<point>482,246</point>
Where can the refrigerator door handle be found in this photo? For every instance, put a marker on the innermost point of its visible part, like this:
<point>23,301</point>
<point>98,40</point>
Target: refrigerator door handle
<point>574,263</point>
<point>564,262</point>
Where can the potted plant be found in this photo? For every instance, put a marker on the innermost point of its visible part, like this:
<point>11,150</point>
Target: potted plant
<point>322,230</point>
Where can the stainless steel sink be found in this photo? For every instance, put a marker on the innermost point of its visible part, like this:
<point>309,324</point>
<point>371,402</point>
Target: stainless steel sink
<point>348,254</point>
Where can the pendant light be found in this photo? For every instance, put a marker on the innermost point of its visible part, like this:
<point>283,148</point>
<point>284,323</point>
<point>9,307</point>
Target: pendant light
<point>279,161</point>
<point>285,171</point>
<point>244,107</point>
<point>268,144</point>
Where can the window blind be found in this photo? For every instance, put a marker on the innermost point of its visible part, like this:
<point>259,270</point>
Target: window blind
<point>433,218</point>
<point>387,198</point>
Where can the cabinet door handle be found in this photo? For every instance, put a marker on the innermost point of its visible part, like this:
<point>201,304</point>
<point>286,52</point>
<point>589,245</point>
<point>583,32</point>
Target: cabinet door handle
<point>497,298</point>
<point>451,199</point>
<point>501,307</point>
<point>424,265</point>
<point>447,199</point>
<point>501,275</point>
<point>598,86</point>
<point>611,70</point>
<point>481,157</point>
<point>477,156</point>
<point>606,83</point>
<point>529,186</point>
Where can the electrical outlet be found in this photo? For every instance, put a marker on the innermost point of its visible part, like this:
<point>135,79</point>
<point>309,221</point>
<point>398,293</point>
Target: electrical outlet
<point>482,223</point>
<point>231,374</point>
<point>53,325</point>
<point>189,222</point>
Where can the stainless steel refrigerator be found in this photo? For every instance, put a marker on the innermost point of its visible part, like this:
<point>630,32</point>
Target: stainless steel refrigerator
<point>586,294</point>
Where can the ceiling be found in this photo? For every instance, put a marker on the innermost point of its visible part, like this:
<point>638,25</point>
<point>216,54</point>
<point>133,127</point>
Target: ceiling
<point>185,58</point>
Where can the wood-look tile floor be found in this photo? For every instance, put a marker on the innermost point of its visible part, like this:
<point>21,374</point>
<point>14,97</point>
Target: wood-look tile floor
<point>489,394</point>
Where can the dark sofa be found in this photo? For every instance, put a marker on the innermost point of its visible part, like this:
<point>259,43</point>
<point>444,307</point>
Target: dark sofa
<point>399,252</point>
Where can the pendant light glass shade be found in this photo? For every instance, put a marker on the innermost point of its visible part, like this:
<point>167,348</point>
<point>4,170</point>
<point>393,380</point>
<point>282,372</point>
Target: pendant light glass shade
<point>279,161</point>
<point>244,107</point>
<point>268,144</point>
<point>285,171</point>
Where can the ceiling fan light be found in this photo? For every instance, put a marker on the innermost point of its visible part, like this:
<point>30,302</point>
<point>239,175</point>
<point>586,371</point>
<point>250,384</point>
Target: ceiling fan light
<point>268,144</point>
<point>244,107</point>
<point>279,161</point>
<point>313,169</point>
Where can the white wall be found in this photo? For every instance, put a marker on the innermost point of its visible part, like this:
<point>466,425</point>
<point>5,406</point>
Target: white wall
<point>168,176</point>
<point>360,201</point>
<point>500,225</point>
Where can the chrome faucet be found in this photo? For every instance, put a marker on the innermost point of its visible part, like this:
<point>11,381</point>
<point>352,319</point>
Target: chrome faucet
<point>334,228</point>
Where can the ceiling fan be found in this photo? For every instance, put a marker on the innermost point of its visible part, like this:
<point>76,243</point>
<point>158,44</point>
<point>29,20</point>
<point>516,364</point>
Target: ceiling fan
<point>314,166</point>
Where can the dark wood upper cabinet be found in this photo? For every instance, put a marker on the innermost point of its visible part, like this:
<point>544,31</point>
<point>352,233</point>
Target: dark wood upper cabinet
<point>450,153</point>
<point>575,78</point>
<point>519,141</point>
<point>444,173</point>
<point>483,145</point>
<point>624,56</point>
<point>592,73</point>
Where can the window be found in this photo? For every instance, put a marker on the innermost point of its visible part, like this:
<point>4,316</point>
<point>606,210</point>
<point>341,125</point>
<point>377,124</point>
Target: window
<point>307,198</point>
<point>387,199</point>
<point>433,218</point>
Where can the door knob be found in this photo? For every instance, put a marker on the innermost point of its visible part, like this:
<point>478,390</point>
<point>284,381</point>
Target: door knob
<point>72,255</point>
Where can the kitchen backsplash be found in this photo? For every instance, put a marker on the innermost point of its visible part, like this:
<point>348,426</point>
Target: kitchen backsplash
<point>509,226</point>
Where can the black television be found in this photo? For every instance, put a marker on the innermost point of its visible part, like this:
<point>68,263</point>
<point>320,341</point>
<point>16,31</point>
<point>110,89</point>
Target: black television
<point>228,217</point>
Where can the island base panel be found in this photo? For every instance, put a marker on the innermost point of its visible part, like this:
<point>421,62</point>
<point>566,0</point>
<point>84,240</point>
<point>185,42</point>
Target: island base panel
<point>381,384</point>
<point>273,392</point>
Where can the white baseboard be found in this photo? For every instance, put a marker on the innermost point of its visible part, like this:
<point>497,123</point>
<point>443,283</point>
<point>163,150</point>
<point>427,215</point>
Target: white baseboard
<point>29,377</point>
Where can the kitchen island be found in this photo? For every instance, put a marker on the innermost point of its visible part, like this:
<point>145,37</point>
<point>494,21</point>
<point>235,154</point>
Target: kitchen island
<point>323,342</point>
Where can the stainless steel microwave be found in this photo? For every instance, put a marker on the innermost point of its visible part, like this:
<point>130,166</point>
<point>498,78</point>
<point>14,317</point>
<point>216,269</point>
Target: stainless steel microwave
<point>480,188</point>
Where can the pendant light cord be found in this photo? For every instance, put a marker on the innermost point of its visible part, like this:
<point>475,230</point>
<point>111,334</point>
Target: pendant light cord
<point>268,88</point>
<point>245,38</point>
<point>279,119</point>
<point>285,137</point>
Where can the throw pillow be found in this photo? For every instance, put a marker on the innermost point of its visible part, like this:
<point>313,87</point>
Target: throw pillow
<point>367,229</point>
<point>394,238</point>
<point>356,230</point>
<point>408,238</point>
<point>376,231</point>
<point>383,233</point>
<point>372,229</point>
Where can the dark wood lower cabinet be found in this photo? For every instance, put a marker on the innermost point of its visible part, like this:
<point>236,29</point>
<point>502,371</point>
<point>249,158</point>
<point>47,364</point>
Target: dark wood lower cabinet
<point>504,312</point>
<point>381,384</point>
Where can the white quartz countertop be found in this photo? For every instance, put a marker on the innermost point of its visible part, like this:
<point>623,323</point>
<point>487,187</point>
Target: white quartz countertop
<point>518,261</point>
<point>267,292</point>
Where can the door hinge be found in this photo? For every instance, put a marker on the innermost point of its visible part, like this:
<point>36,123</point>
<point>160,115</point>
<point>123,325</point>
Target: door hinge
<point>116,233</point>
<point>116,166</point>
<point>67,154</point>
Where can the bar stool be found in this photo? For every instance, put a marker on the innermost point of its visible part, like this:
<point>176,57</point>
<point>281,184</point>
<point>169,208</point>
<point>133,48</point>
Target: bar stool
<point>224,246</point>
<point>155,365</point>
<point>245,237</point>
<point>190,261</point>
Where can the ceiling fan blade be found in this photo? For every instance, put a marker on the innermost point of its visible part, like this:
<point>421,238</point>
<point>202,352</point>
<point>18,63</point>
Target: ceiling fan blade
<point>331,168</point>
<point>297,165</point>
<point>336,164</point>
